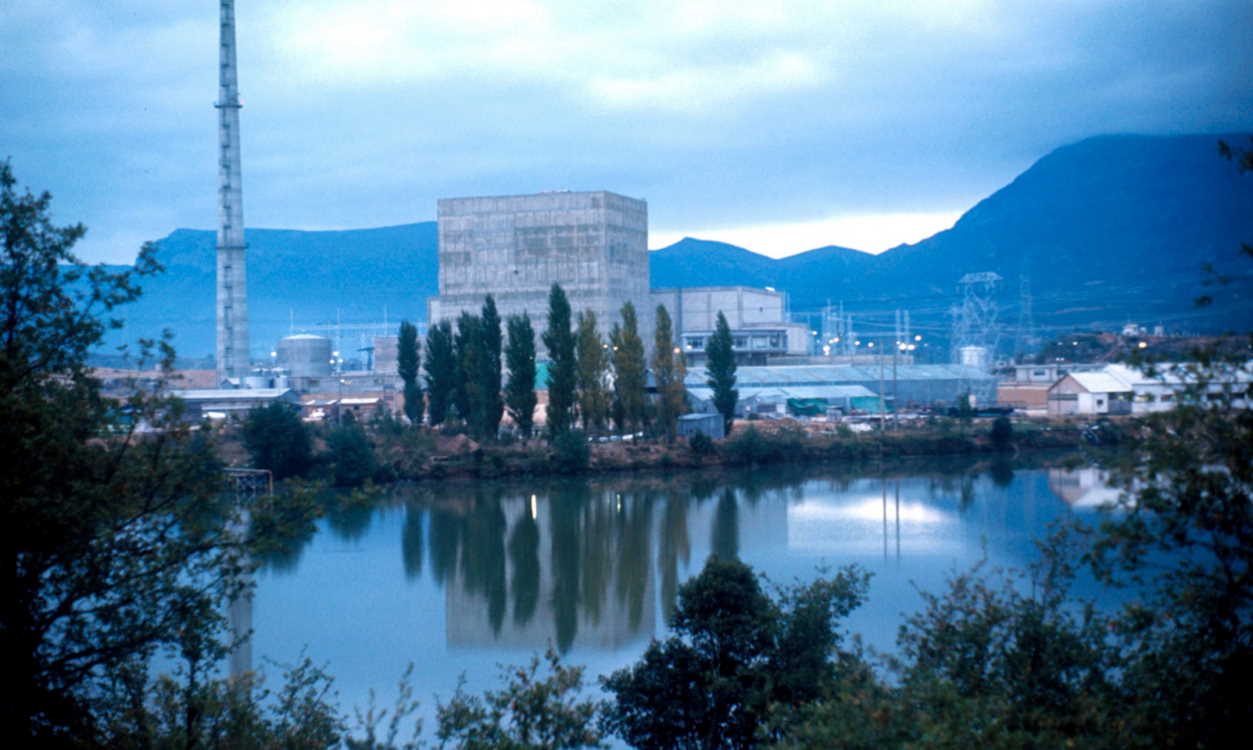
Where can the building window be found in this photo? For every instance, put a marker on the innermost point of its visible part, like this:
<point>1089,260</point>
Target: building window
<point>695,342</point>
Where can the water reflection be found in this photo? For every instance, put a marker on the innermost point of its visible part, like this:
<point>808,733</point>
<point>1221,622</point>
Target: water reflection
<point>596,565</point>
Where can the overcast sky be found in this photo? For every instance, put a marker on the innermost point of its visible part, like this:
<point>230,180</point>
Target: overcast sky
<point>781,125</point>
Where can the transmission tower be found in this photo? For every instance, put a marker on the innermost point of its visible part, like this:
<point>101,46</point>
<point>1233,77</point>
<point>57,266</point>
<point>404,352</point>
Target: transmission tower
<point>975,319</point>
<point>1024,337</point>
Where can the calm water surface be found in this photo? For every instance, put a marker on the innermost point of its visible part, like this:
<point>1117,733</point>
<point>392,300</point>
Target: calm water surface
<point>462,576</point>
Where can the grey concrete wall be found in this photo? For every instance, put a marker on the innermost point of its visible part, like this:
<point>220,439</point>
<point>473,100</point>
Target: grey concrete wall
<point>594,244</point>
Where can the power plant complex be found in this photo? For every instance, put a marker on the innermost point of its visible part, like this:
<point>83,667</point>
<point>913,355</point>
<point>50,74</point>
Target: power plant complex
<point>593,243</point>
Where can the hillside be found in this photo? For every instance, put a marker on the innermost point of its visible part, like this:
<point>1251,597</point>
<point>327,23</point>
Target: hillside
<point>1108,230</point>
<point>1105,231</point>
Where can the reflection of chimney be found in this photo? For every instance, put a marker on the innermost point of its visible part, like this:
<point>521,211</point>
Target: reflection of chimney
<point>232,293</point>
<point>240,618</point>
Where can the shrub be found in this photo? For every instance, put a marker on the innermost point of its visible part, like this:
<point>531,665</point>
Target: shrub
<point>277,440</point>
<point>570,452</point>
<point>1002,433</point>
<point>702,445</point>
<point>351,456</point>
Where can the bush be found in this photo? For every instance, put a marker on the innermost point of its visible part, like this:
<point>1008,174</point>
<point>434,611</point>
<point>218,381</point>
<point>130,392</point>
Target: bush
<point>277,440</point>
<point>570,452</point>
<point>701,444</point>
<point>351,456</point>
<point>1002,433</point>
<point>751,447</point>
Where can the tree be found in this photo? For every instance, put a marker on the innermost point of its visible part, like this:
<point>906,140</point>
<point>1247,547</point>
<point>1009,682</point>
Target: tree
<point>561,363</point>
<point>470,358</point>
<point>441,370</point>
<point>669,370</point>
<point>735,652</point>
<point>592,370</point>
<point>408,357</point>
<point>628,370</point>
<point>520,359</point>
<point>277,440</point>
<point>532,712</point>
<point>109,539</point>
<point>352,455</point>
<point>721,368</point>
<point>491,406</point>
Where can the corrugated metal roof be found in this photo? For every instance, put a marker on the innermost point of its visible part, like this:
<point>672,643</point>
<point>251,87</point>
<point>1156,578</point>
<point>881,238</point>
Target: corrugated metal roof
<point>823,375</point>
<point>775,394</point>
<point>1100,382</point>
<point>231,394</point>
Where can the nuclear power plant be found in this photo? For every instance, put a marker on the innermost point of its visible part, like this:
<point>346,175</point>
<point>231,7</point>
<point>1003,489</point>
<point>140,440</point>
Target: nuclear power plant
<point>594,244</point>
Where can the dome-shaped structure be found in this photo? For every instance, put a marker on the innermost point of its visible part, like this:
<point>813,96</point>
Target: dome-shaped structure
<point>305,355</point>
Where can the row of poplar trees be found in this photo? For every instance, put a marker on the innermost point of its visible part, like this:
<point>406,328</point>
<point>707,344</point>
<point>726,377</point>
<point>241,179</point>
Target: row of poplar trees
<point>475,374</point>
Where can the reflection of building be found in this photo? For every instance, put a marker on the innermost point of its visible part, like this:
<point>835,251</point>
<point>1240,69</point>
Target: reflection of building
<point>1083,488</point>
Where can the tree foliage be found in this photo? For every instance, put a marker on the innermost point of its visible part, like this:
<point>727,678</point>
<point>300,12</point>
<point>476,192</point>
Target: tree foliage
<point>277,440</point>
<point>112,541</point>
<point>669,370</point>
<point>491,405</point>
<point>592,372</point>
<point>441,371</point>
<point>351,455</point>
<point>628,371</point>
<point>532,712</point>
<point>559,340</point>
<point>520,360</point>
<point>408,358</point>
<point>735,652</point>
<point>721,367</point>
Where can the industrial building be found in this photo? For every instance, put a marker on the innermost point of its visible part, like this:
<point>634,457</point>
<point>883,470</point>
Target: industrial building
<point>846,386</point>
<point>760,331</point>
<point>594,244</point>
<point>1119,389</point>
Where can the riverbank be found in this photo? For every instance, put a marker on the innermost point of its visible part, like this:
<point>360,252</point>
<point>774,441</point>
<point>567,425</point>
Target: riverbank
<point>419,455</point>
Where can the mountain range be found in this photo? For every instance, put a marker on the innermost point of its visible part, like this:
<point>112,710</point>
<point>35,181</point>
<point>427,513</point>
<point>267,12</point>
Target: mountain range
<point>1109,230</point>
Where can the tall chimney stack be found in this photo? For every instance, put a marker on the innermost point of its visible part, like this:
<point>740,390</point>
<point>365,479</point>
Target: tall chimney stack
<point>232,292</point>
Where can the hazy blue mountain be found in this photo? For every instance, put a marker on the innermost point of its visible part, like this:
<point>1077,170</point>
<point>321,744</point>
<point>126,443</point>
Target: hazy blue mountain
<point>1105,231</point>
<point>311,278</point>
<point>1108,230</point>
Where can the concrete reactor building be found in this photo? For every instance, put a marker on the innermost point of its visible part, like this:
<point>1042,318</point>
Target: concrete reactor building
<point>594,244</point>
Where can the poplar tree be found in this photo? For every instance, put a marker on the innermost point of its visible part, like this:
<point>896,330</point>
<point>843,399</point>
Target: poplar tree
<point>520,360</point>
<point>559,340</point>
<point>441,371</point>
<point>408,357</point>
<point>669,369</point>
<point>592,370</point>
<point>628,370</point>
<point>491,406</point>
<point>721,367</point>
<point>468,353</point>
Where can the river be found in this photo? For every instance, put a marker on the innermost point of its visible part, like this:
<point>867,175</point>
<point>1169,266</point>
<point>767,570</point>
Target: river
<point>459,577</point>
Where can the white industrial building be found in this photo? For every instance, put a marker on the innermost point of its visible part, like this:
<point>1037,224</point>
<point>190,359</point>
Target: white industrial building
<point>757,318</point>
<point>848,387</point>
<point>1120,389</point>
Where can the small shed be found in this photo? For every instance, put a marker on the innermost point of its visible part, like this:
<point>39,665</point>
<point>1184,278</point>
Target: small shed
<point>707,423</point>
